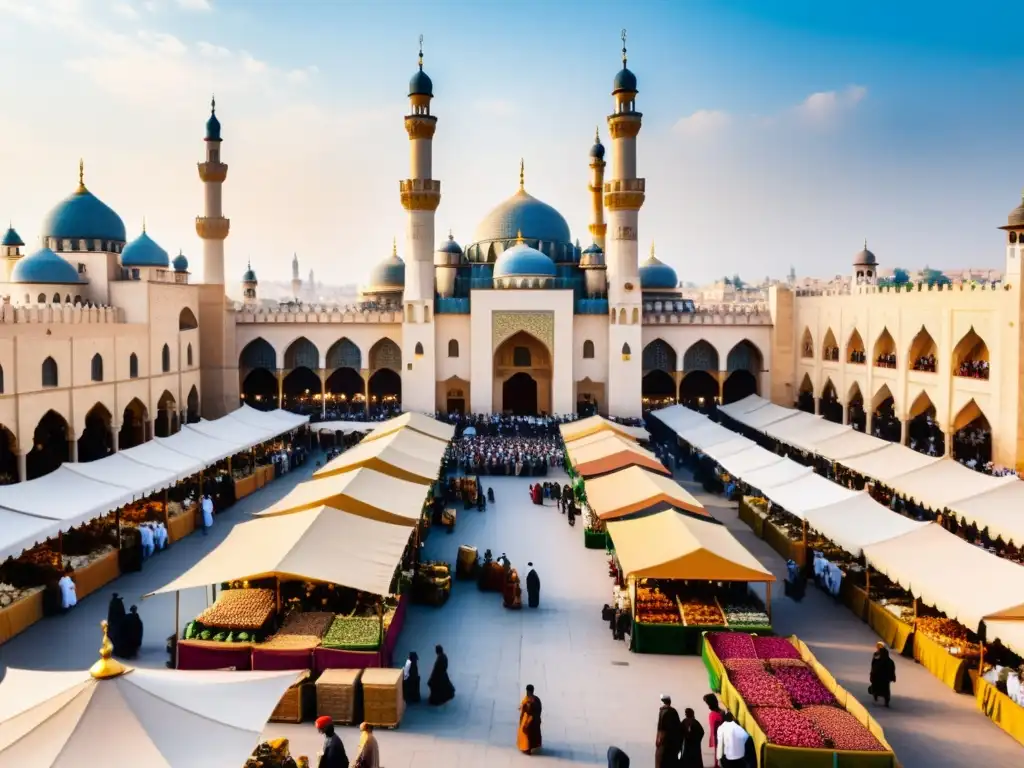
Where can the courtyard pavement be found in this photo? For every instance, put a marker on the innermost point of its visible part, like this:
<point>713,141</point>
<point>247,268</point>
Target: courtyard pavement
<point>595,692</point>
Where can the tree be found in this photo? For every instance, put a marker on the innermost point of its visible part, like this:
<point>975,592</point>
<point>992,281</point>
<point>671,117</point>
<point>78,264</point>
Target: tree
<point>900,276</point>
<point>934,277</point>
<point>736,282</point>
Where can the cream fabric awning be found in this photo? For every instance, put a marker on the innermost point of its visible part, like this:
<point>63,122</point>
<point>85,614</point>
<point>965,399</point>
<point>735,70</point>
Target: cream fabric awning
<point>153,454</point>
<point>703,436</point>
<point>405,455</point>
<point>859,521</point>
<point>808,492</point>
<point>751,460</point>
<point>677,417</point>
<point>848,444</point>
<point>116,469</point>
<point>343,426</point>
<point>321,544</point>
<point>806,434</point>
<point>574,430</point>
<point>943,482</point>
<point>362,492</point>
<point>237,433</point>
<point>777,473</point>
<point>748,404</point>
<point>66,497</point>
<point>195,445</point>
<point>1001,510</point>
<point>730,448</point>
<point>146,717</point>
<point>669,545</point>
<point>769,413</point>
<point>963,581</point>
<point>889,462</point>
<point>613,453</point>
<point>417,421</point>
<point>633,489</point>
<point>273,423</point>
<point>599,449</point>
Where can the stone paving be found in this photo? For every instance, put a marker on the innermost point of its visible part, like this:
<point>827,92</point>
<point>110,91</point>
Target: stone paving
<point>595,692</point>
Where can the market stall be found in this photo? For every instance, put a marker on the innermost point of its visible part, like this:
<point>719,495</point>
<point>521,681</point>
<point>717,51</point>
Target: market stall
<point>610,455</point>
<point>998,509</point>
<point>574,430</point>
<point>746,405</point>
<point>754,458</point>
<point>686,575</point>
<point>791,706</point>
<point>415,421</point>
<point>805,433</point>
<point>160,718</point>
<point>405,454</point>
<point>849,444</point>
<point>766,414</point>
<point>634,490</point>
<point>888,462</point>
<point>720,452</point>
<point>705,435</point>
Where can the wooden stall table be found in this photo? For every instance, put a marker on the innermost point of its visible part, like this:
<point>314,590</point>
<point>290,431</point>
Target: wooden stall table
<point>337,695</point>
<point>777,539</point>
<point>294,705</point>
<point>383,702</point>
<point>1000,709</point>
<point>209,654</point>
<point>265,474</point>
<point>244,486</point>
<point>180,526</point>
<point>96,574</point>
<point>854,598</point>
<point>948,668</point>
<point>894,633</point>
<point>752,516</point>
<point>20,615</point>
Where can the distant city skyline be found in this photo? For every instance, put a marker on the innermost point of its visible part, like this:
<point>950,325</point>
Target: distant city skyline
<point>772,136</point>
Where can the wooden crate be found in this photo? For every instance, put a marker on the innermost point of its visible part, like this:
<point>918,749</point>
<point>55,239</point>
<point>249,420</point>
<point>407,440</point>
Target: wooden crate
<point>292,706</point>
<point>383,703</point>
<point>337,695</point>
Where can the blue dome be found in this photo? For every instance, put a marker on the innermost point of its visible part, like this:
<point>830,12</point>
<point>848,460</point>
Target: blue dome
<point>144,252</point>
<point>44,266</point>
<point>523,261</point>
<point>420,84</point>
<point>12,238</point>
<point>523,213</point>
<point>624,81</point>
<point>213,124</point>
<point>180,263</point>
<point>389,275</point>
<point>449,246</point>
<point>83,216</point>
<point>656,275</point>
<point>249,276</point>
<point>597,151</point>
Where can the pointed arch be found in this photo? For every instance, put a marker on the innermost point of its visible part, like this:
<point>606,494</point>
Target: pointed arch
<point>96,367</point>
<point>96,441</point>
<point>626,351</point>
<point>972,436</point>
<point>806,385</point>
<point>188,355</point>
<point>856,415</point>
<point>922,405</point>
<point>923,352</point>
<point>259,389</point>
<point>745,356</point>
<point>385,354</point>
<point>701,356</point>
<point>659,355</point>
<point>883,396</point>
<point>302,353</point>
<point>829,405</point>
<point>49,445</point>
<point>699,388</point>
<point>970,413</point>
<point>193,405</point>
<point>300,387</point>
<point>829,347</point>
<point>344,354</point>
<point>855,352</point>
<point>187,320</point>
<point>884,350</point>
<point>133,366</point>
<point>418,349</point>
<point>453,347</point>
<point>807,344</point>
<point>50,373</point>
<point>165,358</point>
<point>657,389</point>
<point>971,357</point>
<point>258,353</point>
<point>805,395</point>
<point>854,393</point>
<point>166,423</point>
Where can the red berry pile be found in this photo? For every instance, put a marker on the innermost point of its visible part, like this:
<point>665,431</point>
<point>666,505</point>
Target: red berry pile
<point>788,728</point>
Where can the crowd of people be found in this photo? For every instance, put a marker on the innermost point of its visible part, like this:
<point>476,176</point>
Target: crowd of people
<point>504,455</point>
<point>832,353</point>
<point>886,360</point>
<point>973,369</point>
<point>858,356</point>
<point>926,363</point>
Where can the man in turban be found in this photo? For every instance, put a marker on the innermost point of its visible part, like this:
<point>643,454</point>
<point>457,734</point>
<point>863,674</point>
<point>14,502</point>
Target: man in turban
<point>333,753</point>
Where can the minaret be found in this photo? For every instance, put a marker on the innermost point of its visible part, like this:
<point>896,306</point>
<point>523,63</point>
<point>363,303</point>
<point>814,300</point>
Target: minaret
<point>597,226</point>
<point>420,195</point>
<point>1014,230</point>
<point>296,280</point>
<point>623,197</point>
<point>212,227</point>
<point>11,246</point>
<point>249,286</point>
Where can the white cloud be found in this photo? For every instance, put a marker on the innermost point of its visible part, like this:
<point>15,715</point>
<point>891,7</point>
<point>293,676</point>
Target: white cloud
<point>825,106</point>
<point>164,43</point>
<point>125,10</point>
<point>252,64</point>
<point>212,51</point>
<point>702,124</point>
<point>302,75</point>
<point>194,5</point>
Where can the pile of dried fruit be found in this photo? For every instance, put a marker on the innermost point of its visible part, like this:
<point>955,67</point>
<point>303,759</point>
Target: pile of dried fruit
<point>356,634</point>
<point>841,728</point>
<point>654,607</point>
<point>803,686</point>
<point>732,645</point>
<point>788,728</point>
<point>735,665</point>
<point>759,688</point>
<point>700,614</point>
<point>245,609</point>
<point>300,630</point>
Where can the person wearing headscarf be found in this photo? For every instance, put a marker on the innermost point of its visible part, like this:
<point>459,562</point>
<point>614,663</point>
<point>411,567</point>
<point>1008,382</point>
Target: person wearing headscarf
<point>411,679</point>
<point>368,755</point>
<point>668,742</point>
<point>333,753</point>
<point>131,634</point>
<point>617,758</point>
<point>715,719</point>
<point>532,587</point>
<point>115,622</point>
<point>528,739</point>
<point>883,674</point>
<point>68,590</point>
<point>441,688</point>
<point>693,740</point>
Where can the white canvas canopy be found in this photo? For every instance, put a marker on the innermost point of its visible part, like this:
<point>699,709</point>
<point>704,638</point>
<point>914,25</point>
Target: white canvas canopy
<point>777,473</point>
<point>748,404</point>
<point>238,434</point>
<point>729,448</point>
<point>806,433</point>
<point>1001,510</point>
<point>64,496</point>
<point>195,445</point>
<point>143,717</point>
<point>703,436</point>
<point>275,422</point>
<point>153,454</point>
<point>889,462</point>
<point>770,413</point>
<point>745,462</point>
<point>859,521</point>
<point>944,482</point>
<point>963,581</point>
<point>848,444</point>
<point>348,427</point>
<point>21,532</point>
<point>321,544</point>
<point>416,421</point>
<point>808,492</point>
<point>677,417</point>
<point>139,479</point>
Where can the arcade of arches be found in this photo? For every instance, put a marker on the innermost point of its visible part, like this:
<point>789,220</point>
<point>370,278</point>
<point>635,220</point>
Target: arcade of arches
<point>343,387</point>
<point>700,380</point>
<point>522,376</point>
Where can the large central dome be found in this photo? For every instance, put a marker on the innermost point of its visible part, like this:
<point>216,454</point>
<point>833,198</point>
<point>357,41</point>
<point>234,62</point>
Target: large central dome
<point>523,213</point>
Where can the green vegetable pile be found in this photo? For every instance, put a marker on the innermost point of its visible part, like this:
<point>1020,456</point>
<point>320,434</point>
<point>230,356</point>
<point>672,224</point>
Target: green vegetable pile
<point>356,634</point>
<point>197,631</point>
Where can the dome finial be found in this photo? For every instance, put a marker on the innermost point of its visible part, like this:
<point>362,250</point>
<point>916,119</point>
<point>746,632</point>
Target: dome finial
<point>213,105</point>
<point>865,243</point>
<point>519,237</point>
<point>450,235</point>
<point>394,247</point>
<point>597,134</point>
<point>81,175</point>
<point>143,225</point>
<point>652,250</point>
<point>623,48</point>
<point>421,53</point>
<point>522,175</point>
<point>107,666</point>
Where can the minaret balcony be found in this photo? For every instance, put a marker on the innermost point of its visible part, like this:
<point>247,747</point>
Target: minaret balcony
<point>625,125</point>
<point>624,194</point>
<point>212,227</point>
<point>420,194</point>
<point>420,126</point>
<point>213,172</point>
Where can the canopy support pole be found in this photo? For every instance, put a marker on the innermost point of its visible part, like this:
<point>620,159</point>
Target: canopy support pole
<point>277,596</point>
<point>768,601</point>
<point>981,660</point>
<point>167,519</point>
<point>117,525</point>
<point>201,485</point>
<point>380,617</point>
<point>805,538</point>
<point>177,624</point>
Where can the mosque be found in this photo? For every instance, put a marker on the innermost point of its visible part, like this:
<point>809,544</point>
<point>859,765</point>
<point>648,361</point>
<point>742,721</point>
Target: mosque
<point>106,342</point>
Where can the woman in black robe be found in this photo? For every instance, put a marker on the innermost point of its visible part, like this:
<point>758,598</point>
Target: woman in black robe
<point>441,688</point>
<point>693,738</point>
<point>115,624</point>
<point>411,679</point>
<point>883,674</point>
<point>132,633</point>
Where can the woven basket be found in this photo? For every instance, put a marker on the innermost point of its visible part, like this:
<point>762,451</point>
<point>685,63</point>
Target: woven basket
<point>337,695</point>
<point>291,709</point>
<point>383,703</point>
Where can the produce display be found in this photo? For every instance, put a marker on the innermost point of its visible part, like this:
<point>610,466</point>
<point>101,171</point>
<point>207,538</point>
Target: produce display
<point>361,633</point>
<point>904,613</point>
<point>788,728</point>
<point>654,607</point>
<point>775,648</point>
<point>77,562</point>
<point>300,631</point>
<point>239,609</point>
<point>803,686</point>
<point>197,631</point>
<point>842,729</point>
<point>732,645</point>
<point>10,594</point>
<point>697,613</point>
<point>736,665</point>
<point>177,509</point>
<point>950,634</point>
<point>747,614</point>
<point>273,754</point>
<point>143,512</point>
<point>759,688</point>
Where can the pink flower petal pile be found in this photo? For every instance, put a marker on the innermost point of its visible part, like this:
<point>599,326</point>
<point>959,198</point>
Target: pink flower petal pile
<point>841,728</point>
<point>774,648</point>
<point>760,689</point>
<point>735,665</point>
<point>732,645</point>
<point>803,686</point>
<point>788,728</point>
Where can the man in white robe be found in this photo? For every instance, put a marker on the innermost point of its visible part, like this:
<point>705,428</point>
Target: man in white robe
<point>68,591</point>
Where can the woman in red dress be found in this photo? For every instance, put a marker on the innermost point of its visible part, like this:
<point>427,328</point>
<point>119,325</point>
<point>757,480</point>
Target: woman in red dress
<point>715,718</point>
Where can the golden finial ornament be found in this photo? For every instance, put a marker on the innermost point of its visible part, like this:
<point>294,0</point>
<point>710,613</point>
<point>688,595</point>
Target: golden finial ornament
<point>107,666</point>
<point>143,225</point>
<point>81,176</point>
<point>519,237</point>
<point>394,247</point>
<point>652,250</point>
<point>522,175</point>
<point>213,104</point>
<point>421,53</point>
<point>623,48</point>
<point>597,134</point>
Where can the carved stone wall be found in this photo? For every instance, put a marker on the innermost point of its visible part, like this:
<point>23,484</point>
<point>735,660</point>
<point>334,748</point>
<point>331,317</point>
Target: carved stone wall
<point>541,325</point>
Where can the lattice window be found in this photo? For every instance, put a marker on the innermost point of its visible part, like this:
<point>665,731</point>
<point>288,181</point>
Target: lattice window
<point>344,354</point>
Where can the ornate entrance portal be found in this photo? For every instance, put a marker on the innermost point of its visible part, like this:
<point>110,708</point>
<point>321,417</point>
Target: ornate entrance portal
<point>522,376</point>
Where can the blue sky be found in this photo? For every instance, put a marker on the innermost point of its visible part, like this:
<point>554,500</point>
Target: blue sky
<point>775,133</point>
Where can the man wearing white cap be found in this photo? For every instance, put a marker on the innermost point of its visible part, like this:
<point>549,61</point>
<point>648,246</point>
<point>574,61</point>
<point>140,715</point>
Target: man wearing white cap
<point>670,737</point>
